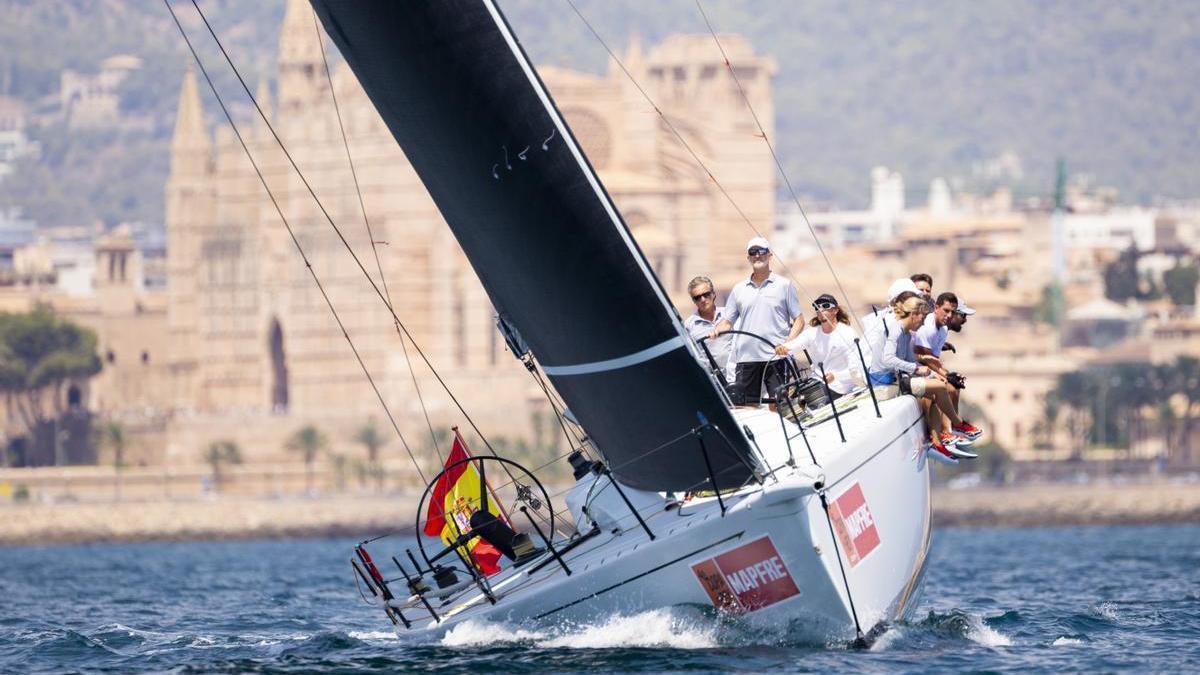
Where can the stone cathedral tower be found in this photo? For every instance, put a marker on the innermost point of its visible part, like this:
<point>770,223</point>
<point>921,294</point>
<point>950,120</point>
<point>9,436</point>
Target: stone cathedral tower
<point>252,338</point>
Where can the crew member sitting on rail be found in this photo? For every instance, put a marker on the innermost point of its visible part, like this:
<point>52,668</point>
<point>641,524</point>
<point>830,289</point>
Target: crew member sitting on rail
<point>927,344</point>
<point>829,342</point>
<point>924,284</point>
<point>894,362</point>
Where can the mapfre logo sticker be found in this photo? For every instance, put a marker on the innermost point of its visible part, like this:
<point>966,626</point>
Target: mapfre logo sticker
<point>854,524</point>
<point>747,578</point>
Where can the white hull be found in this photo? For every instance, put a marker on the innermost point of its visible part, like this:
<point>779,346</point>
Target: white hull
<point>882,552</point>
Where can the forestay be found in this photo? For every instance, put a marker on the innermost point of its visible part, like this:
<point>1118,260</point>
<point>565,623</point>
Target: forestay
<point>479,127</point>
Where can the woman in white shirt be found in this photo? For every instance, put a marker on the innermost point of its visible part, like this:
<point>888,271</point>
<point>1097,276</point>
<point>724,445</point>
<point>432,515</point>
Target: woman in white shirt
<point>829,340</point>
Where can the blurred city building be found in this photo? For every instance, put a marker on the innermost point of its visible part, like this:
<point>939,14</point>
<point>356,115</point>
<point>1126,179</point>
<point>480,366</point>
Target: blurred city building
<point>239,342</point>
<point>218,331</point>
<point>89,100</point>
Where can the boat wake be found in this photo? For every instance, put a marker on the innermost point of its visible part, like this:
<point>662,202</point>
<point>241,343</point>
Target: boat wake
<point>953,625</point>
<point>685,627</point>
<point>674,628</point>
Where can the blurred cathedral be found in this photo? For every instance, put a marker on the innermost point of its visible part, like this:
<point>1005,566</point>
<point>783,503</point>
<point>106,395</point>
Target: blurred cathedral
<point>250,337</point>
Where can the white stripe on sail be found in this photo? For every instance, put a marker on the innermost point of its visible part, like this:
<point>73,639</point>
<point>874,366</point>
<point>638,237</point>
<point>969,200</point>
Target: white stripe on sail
<point>619,362</point>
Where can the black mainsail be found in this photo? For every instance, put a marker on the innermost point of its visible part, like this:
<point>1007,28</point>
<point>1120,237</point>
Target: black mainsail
<point>469,111</point>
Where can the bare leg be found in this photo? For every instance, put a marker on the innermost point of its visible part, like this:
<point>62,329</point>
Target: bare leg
<point>954,401</point>
<point>933,419</point>
<point>936,389</point>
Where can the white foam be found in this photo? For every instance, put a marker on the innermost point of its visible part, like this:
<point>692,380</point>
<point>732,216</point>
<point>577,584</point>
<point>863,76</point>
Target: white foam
<point>1066,642</point>
<point>985,635</point>
<point>1107,610</point>
<point>373,635</point>
<point>885,641</point>
<point>657,628</point>
<point>474,633</point>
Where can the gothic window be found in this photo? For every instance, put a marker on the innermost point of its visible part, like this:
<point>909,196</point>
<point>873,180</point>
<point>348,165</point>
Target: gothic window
<point>279,370</point>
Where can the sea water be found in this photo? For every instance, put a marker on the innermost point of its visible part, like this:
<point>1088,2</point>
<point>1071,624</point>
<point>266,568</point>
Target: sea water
<point>1017,599</point>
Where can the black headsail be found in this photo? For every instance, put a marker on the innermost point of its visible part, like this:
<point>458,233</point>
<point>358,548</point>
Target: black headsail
<point>466,106</point>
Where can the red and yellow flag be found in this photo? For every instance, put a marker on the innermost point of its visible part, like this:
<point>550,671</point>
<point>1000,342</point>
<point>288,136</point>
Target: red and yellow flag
<point>456,495</point>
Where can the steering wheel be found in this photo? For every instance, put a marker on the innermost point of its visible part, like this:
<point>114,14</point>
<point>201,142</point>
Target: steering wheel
<point>523,493</point>
<point>770,345</point>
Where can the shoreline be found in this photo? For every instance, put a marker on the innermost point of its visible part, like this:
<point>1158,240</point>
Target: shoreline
<point>243,518</point>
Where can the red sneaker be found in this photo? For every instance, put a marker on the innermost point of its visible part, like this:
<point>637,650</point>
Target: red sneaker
<point>948,439</point>
<point>968,430</point>
<point>940,453</point>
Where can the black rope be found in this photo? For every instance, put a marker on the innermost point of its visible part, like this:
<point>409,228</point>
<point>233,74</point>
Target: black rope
<point>370,235</point>
<point>336,229</point>
<point>307,263</point>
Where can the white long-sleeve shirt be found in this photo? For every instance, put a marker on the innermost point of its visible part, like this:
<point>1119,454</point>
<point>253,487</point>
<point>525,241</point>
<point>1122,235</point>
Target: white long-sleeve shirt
<point>891,349</point>
<point>834,349</point>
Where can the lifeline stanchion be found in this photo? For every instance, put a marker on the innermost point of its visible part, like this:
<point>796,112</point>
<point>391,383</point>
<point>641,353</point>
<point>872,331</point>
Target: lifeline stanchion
<point>628,503</point>
<point>867,374</point>
<point>832,404</point>
<point>699,431</point>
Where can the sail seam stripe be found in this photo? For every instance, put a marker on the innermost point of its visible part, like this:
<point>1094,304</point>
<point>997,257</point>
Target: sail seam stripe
<point>620,362</point>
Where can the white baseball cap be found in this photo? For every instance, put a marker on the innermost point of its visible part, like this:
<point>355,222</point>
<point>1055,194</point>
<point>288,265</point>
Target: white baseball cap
<point>963,308</point>
<point>757,242</point>
<point>899,286</point>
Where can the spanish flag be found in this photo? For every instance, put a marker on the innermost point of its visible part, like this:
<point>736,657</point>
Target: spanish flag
<point>456,494</point>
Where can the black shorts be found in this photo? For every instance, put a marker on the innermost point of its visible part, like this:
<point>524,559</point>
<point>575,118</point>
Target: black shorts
<point>749,378</point>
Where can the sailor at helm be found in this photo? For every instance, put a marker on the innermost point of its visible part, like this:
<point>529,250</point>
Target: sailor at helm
<point>766,305</point>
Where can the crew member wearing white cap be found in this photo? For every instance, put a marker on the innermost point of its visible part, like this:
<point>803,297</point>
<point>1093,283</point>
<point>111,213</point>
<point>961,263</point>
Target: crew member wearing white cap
<point>766,305</point>
<point>957,320</point>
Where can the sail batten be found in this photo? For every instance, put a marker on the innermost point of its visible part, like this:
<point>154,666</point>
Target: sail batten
<point>482,132</point>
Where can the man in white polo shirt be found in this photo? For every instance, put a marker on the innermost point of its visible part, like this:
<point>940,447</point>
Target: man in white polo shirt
<point>932,335</point>
<point>928,343</point>
<point>766,305</point>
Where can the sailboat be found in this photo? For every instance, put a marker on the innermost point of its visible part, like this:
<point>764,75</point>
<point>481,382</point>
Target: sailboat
<point>817,520</point>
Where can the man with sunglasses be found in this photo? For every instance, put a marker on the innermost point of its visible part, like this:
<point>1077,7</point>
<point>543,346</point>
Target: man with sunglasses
<point>957,321</point>
<point>767,306</point>
<point>702,322</point>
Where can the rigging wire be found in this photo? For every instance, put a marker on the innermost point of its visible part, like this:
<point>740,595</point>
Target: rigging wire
<point>686,146</point>
<point>762,133</point>
<point>704,167</point>
<point>370,235</point>
<point>307,263</point>
<point>320,205</point>
<point>671,125</point>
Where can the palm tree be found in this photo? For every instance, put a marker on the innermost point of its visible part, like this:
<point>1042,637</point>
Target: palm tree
<point>370,438</point>
<point>220,453</point>
<point>309,442</point>
<point>112,436</point>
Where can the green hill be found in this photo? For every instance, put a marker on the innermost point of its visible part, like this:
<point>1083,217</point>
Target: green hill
<point>931,88</point>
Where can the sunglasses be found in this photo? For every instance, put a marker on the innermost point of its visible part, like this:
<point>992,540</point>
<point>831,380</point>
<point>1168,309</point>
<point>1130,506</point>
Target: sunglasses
<point>702,296</point>
<point>756,251</point>
<point>824,304</point>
